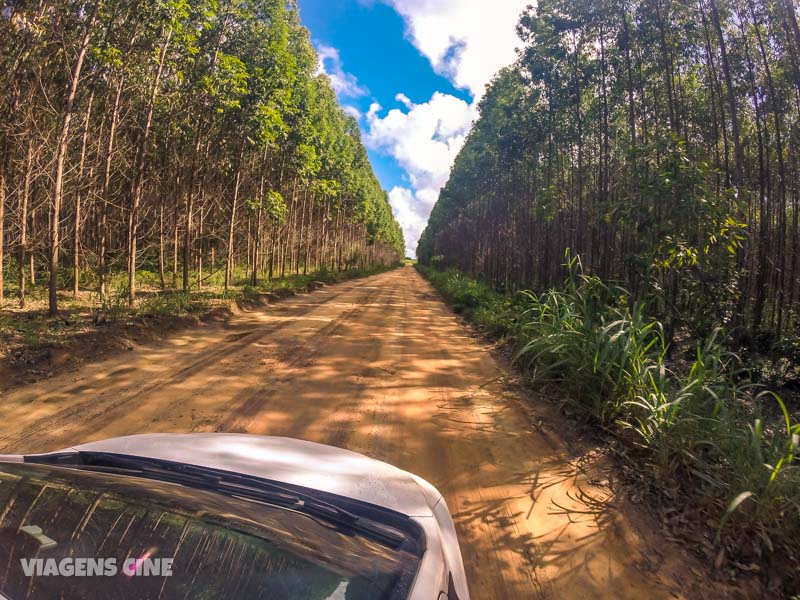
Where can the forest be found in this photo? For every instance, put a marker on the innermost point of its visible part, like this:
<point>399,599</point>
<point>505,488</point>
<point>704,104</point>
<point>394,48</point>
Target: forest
<point>660,142</point>
<point>625,215</point>
<point>169,143</point>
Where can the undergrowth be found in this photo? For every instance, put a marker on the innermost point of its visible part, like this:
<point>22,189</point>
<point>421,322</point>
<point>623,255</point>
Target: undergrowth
<point>700,427</point>
<point>31,328</point>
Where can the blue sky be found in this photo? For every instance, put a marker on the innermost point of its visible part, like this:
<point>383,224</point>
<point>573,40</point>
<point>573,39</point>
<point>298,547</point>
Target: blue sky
<point>411,72</point>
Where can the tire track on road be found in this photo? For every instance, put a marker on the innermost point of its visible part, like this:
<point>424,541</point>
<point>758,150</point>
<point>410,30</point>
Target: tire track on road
<point>249,403</point>
<point>89,410</point>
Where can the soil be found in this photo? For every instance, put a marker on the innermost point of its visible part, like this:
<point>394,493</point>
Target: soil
<point>381,366</point>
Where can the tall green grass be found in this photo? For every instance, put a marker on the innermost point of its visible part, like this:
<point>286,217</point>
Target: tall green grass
<point>694,424</point>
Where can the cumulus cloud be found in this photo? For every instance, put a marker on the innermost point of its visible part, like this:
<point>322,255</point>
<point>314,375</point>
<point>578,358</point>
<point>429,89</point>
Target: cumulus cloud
<point>467,41</point>
<point>410,214</point>
<point>352,111</point>
<point>424,139</point>
<point>344,84</point>
<point>404,100</point>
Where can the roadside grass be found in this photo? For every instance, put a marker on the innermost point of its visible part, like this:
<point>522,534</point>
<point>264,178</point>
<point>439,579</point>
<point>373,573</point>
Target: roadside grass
<point>26,331</point>
<point>718,447</point>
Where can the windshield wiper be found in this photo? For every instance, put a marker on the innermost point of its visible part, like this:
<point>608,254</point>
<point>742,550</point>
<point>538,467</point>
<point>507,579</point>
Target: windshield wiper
<point>233,484</point>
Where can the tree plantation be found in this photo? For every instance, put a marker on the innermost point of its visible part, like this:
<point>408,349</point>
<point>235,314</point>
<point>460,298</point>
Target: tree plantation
<point>179,139</point>
<point>628,208</point>
<point>657,140</point>
<point>595,360</point>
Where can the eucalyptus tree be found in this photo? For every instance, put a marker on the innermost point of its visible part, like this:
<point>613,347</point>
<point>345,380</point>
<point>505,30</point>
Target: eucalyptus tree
<point>158,131</point>
<point>656,139</point>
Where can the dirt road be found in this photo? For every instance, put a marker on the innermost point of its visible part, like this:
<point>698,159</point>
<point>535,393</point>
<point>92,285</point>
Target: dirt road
<point>380,366</point>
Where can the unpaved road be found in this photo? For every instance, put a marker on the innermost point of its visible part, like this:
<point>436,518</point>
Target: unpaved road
<point>380,366</point>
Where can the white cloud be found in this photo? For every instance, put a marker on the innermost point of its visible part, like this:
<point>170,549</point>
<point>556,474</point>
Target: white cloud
<point>424,139</point>
<point>374,108</point>
<point>404,100</point>
<point>344,84</point>
<point>409,214</point>
<point>467,41</point>
<point>352,111</point>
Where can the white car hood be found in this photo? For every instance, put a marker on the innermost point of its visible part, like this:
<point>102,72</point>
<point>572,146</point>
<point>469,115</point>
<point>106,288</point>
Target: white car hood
<point>286,460</point>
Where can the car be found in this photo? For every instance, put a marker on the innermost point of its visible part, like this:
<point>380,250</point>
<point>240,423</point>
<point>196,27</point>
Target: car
<point>216,515</point>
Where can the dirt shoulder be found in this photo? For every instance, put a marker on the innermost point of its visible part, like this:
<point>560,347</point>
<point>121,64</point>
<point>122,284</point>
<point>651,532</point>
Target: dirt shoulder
<point>35,346</point>
<point>381,366</point>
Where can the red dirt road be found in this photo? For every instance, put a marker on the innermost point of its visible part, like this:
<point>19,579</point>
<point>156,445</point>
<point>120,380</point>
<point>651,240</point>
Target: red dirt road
<point>380,366</point>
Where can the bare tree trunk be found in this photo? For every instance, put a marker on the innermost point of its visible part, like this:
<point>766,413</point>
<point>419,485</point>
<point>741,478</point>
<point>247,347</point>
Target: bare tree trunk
<point>791,17</point>
<point>76,232</point>
<point>231,228</point>
<point>309,230</point>
<point>667,68</point>
<point>302,232</point>
<point>31,256</point>
<point>161,246</point>
<point>105,189</point>
<point>175,253</point>
<point>626,40</point>
<point>138,182</point>
<point>23,224</point>
<point>322,257</point>
<point>731,96</point>
<point>760,266</point>
<point>256,244</point>
<point>187,240</point>
<point>2,231</point>
<point>61,156</point>
<point>257,233</point>
<point>201,245</point>
<point>781,171</point>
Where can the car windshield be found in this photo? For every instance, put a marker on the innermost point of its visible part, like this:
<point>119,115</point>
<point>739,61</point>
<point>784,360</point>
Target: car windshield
<point>66,533</point>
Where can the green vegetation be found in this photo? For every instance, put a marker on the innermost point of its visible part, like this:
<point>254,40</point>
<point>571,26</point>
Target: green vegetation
<point>27,335</point>
<point>155,143</point>
<point>702,434</point>
<point>659,141</point>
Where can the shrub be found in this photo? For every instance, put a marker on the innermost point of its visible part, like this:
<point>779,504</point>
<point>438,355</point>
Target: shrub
<point>167,303</point>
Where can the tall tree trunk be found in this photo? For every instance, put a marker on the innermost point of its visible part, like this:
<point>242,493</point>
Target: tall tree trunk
<point>31,256</point>
<point>626,40</point>
<point>138,181</point>
<point>257,231</point>
<point>791,17</point>
<point>201,245</point>
<point>231,230</point>
<point>23,223</point>
<point>2,233</point>
<point>667,68</point>
<point>76,231</point>
<point>105,189</point>
<point>61,156</point>
<point>738,152</point>
<point>175,252</point>
<point>189,209</point>
<point>256,245</point>
<point>187,240</point>
<point>161,246</point>
<point>781,170</point>
<point>760,264</point>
